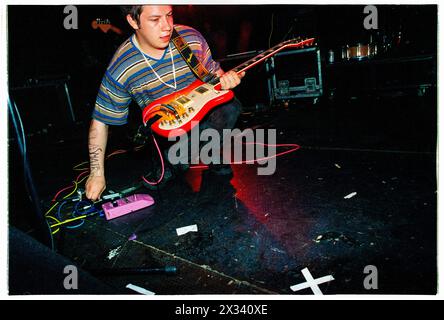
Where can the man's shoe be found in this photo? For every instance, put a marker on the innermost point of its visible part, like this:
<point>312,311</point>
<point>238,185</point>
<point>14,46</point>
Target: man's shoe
<point>180,168</point>
<point>221,169</point>
<point>154,176</point>
<point>169,174</point>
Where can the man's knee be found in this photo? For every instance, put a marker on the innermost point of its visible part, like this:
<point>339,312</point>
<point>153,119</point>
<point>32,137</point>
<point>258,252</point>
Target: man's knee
<point>234,108</point>
<point>225,116</point>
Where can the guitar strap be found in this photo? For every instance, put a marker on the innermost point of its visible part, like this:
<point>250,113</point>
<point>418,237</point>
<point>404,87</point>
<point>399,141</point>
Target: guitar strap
<point>187,54</point>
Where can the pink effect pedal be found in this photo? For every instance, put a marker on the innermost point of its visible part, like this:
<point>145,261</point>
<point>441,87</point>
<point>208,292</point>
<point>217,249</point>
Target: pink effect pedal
<point>120,207</point>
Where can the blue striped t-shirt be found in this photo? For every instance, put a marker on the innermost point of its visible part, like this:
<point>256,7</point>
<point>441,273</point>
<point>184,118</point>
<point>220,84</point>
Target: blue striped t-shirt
<point>129,77</point>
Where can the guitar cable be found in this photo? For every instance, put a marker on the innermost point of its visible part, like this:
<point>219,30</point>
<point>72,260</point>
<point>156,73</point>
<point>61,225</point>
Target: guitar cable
<point>294,146</point>
<point>148,131</point>
<point>162,162</point>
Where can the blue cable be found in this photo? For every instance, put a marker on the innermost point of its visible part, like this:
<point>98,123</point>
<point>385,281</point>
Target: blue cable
<point>76,226</point>
<point>60,216</point>
<point>20,139</point>
<point>59,209</point>
<point>76,212</point>
<point>87,211</point>
<point>29,183</point>
<point>90,211</point>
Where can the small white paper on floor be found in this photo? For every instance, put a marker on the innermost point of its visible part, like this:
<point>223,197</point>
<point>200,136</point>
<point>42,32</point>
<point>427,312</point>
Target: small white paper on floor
<point>183,230</point>
<point>139,289</point>
<point>114,252</point>
<point>351,195</point>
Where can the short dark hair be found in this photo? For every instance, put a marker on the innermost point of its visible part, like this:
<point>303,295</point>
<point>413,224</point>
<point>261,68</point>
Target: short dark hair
<point>133,11</point>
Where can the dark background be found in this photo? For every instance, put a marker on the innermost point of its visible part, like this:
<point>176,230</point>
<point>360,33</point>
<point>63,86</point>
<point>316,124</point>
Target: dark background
<point>376,117</point>
<point>40,47</point>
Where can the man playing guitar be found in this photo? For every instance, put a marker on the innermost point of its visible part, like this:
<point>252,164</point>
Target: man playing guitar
<point>147,67</point>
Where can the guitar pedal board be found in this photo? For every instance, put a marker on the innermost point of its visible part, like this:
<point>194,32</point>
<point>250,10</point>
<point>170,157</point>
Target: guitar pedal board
<point>123,206</point>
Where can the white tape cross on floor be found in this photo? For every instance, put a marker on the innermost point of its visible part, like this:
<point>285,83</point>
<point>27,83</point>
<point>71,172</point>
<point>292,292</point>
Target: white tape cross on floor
<point>311,282</point>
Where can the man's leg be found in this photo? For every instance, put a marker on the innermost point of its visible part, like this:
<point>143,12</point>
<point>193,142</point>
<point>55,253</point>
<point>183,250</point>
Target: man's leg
<point>223,117</point>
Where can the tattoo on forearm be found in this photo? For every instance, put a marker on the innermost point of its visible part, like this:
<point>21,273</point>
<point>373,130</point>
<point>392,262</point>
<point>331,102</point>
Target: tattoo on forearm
<point>94,157</point>
<point>96,149</point>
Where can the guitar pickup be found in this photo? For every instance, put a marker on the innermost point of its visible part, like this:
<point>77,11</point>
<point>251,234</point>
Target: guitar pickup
<point>183,100</point>
<point>201,90</point>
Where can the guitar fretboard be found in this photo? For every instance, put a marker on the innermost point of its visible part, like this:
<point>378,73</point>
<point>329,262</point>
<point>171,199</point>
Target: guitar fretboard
<point>266,54</point>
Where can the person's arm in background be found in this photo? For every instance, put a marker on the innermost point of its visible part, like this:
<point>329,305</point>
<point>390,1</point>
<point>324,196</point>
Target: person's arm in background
<point>97,140</point>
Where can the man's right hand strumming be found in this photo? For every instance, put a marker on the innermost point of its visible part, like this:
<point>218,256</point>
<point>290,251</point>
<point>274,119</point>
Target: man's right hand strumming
<point>96,183</point>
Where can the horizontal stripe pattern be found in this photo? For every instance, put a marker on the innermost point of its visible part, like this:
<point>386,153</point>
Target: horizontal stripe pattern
<point>129,77</point>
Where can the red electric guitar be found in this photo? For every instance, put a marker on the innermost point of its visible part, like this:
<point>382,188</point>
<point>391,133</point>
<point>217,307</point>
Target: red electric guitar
<point>181,111</point>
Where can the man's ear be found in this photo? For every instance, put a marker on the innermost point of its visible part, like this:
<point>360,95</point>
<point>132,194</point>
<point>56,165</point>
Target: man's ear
<point>132,22</point>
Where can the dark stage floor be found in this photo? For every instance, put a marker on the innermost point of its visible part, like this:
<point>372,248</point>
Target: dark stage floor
<point>257,233</point>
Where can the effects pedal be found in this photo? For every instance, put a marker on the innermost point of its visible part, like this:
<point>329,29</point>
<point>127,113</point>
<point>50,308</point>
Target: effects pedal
<point>123,206</point>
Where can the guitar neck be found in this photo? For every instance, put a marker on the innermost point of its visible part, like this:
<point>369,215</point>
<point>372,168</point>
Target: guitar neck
<point>265,55</point>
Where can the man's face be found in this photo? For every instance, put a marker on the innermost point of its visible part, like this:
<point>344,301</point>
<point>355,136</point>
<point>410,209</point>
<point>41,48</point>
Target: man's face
<point>156,25</point>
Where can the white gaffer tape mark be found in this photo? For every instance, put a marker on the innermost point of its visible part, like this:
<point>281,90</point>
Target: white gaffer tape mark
<point>311,283</point>
<point>183,230</point>
<point>113,252</point>
<point>351,195</point>
<point>277,250</point>
<point>139,289</point>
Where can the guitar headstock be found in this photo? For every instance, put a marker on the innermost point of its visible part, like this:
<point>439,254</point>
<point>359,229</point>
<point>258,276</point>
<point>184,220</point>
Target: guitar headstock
<point>105,26</point>
<point>298,43</point>
<point>293,43</point>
